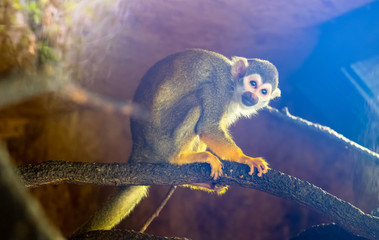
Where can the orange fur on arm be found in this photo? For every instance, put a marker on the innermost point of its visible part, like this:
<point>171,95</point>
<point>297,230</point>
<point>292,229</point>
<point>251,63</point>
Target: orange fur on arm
<point>222,148</point>
<point>230,151</point>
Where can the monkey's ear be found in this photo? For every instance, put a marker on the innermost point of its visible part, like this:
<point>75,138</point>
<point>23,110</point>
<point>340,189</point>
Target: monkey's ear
<point>276,93</point>
<point>239,66</point>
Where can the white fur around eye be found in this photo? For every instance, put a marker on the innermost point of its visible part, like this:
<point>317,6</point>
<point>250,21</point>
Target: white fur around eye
<point>266,86</point>
<point>253,77</point>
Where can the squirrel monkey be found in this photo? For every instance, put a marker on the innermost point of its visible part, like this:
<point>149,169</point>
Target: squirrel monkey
<point>193,97</point>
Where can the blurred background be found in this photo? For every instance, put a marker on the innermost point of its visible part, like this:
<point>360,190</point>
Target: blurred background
<point>327,55</point>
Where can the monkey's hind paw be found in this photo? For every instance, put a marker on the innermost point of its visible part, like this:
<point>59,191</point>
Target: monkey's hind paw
<point>208,187</point>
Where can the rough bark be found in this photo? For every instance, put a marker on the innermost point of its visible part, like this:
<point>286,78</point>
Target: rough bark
<point>274,182</point>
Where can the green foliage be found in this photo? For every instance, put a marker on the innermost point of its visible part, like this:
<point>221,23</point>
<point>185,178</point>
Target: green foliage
<point>34,10</point>
<point>46,53</point>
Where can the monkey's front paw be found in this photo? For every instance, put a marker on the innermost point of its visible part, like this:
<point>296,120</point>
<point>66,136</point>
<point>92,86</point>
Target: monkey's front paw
<point>216,165</point>
<point>259,163</point>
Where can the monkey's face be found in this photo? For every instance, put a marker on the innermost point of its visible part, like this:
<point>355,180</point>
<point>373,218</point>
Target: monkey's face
<point>253,94</point>
<point>256,84</point>
<point>255,91</point>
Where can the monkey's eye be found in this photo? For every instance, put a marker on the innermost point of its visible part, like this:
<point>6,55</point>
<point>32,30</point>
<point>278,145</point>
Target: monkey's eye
<point>253,83</point>
<point>264,91</point>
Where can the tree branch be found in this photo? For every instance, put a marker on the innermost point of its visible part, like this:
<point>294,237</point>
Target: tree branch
<point>327,132</point>
<point>158,210</point>
<point>119,234</point>
<point>326,231</point>
<point>274,182</point>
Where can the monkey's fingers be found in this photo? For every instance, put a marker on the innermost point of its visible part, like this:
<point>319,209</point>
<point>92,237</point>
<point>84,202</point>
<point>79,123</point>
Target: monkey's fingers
<point>216,167</point>
<point>204,157</point>
<point>259,163</point>
<point>214,162</point>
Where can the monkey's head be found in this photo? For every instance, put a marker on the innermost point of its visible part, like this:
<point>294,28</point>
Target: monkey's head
<point>256,83</point>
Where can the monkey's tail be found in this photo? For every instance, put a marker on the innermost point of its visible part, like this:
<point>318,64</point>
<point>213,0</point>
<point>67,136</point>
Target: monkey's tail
<point>116,209</point>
